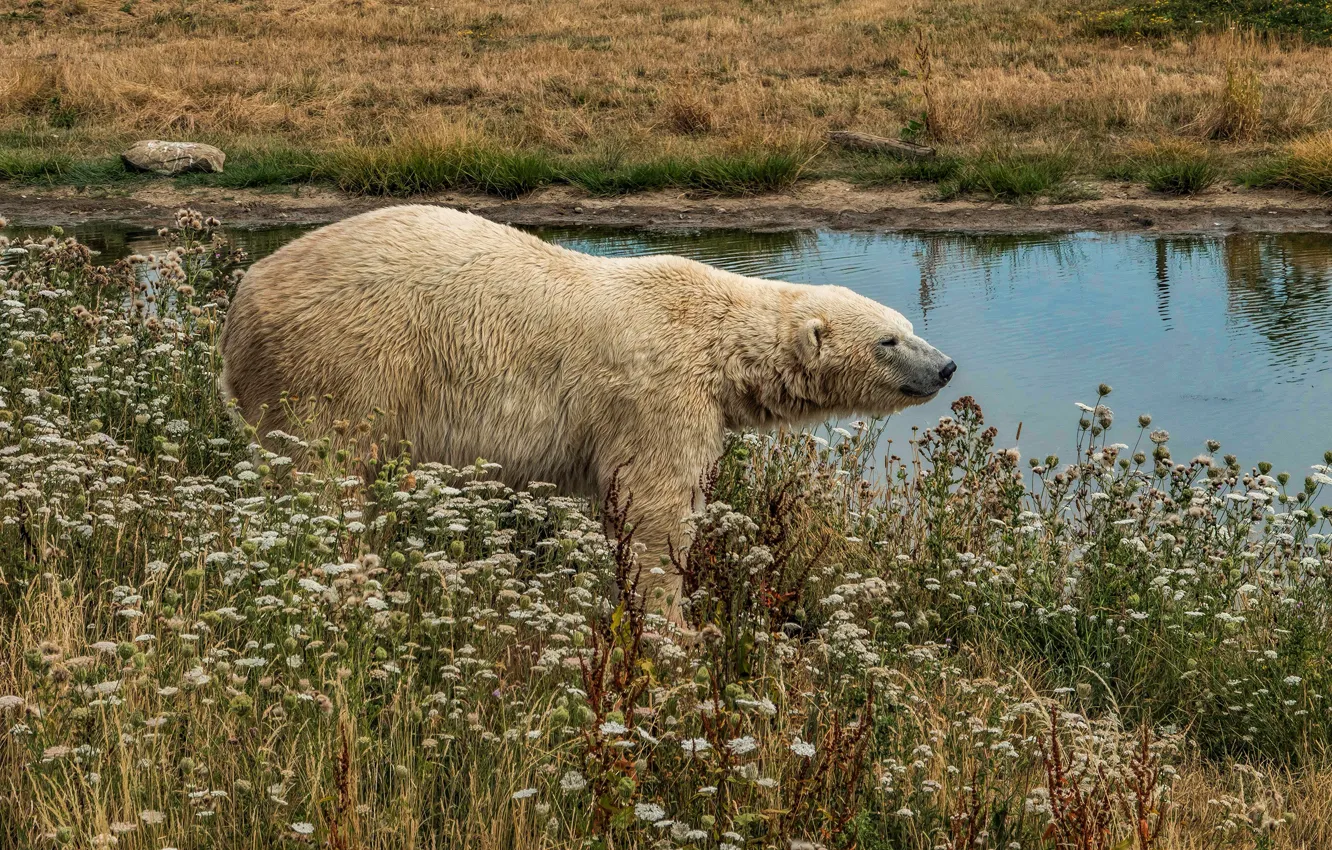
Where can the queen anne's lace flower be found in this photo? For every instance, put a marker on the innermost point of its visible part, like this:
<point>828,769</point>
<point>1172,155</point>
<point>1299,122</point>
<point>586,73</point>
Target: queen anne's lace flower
<point>649,812</point>
<point>742,745</point>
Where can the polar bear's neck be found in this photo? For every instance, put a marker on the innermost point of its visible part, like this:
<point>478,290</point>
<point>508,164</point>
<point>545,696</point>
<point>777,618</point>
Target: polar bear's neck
<point>763,383</point>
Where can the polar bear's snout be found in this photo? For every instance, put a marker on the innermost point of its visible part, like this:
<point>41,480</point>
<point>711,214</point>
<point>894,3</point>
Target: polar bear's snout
<point>930,369</point>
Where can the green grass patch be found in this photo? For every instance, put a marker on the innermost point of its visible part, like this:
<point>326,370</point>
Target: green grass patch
<point>1305,164</point>
<point>738,174</point>
<point>1172,168</point>
<point>1006,176</point>
<point>1162,19</point>
<point>260,169</point>
<point>1307,19</point>
<point>1185,177</point>
<point>34,166</point>
<point>1009,176</point>
<point>1289,173</point>
<point>30,165</point>
<point>871,170</point>
<point>402,171</point>
<point>419,169</point>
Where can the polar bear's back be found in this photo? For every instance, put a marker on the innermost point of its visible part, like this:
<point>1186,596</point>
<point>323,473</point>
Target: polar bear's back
<point>397,249</point>
<point>465,332</point>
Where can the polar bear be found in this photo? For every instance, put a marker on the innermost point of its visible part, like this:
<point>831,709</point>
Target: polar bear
<point>478,340</point>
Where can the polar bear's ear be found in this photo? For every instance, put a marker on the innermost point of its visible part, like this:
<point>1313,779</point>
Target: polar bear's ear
<point>809,340</point>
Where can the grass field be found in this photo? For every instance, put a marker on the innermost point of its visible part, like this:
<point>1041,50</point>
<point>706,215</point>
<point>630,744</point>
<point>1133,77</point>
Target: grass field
<point>204,644</point>
<point>711,97</point>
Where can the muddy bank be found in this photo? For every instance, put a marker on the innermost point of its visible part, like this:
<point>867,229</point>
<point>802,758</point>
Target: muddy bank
<point>825,204</point>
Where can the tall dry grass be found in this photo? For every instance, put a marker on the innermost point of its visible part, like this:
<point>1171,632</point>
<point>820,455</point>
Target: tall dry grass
<point>571,77</point>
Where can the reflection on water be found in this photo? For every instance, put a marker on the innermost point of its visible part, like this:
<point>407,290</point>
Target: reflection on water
<point>990,255</point>
<point>1227,338</point>
<point>1283,289</point>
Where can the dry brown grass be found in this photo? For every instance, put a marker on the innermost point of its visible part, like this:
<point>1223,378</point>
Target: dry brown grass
<point>1276,809</point>
<point>1238,113</point>
<point>1310,163</point>
<point>571,76</point>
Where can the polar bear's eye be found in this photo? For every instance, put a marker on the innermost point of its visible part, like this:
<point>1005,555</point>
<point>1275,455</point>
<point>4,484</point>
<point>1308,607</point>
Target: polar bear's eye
<point>888,342</point>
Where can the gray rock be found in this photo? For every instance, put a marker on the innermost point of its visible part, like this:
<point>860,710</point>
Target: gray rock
<point>173,157</point>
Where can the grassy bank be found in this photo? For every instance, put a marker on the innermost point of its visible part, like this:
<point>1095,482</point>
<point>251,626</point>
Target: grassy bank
<point>419,168</point>
<point>723,97</point>
<point>207,644</point>
<point>413,169</point>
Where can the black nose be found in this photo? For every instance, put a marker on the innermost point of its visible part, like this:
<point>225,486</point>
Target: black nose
<point>947,371</point>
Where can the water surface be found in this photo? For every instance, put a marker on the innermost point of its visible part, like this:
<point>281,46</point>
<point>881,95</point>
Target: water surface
<point>1226,338</point>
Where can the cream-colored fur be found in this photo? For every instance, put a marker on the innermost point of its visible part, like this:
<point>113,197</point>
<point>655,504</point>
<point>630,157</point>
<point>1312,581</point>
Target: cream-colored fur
<point>478,340</point>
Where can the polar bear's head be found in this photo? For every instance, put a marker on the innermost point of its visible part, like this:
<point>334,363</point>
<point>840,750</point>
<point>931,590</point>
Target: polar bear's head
<point>854,355</point>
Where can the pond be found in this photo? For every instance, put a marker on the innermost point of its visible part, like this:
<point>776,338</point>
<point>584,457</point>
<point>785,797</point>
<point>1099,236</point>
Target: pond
<point>1226,338</point>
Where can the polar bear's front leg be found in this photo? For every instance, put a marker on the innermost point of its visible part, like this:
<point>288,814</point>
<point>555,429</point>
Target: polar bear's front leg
<point>659,501</point>
<point>660,529</point>
<point>663,483</point>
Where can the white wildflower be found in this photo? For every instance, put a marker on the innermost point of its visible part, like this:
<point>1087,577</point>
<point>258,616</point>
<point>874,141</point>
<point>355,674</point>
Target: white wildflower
<point>573,781</point>
<point>741,746</point>
<point>649,812</point>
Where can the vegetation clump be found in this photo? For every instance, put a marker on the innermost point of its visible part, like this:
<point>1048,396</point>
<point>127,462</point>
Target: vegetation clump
<point>1310,20</point>
<point>1304,164</point>
<point>1174,168</point>
<point>1007,175</point>
<point>209,643</point>
<point>734,174</point>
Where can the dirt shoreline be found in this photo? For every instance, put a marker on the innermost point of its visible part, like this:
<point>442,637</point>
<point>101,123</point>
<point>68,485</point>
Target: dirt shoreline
<point>828,204</point>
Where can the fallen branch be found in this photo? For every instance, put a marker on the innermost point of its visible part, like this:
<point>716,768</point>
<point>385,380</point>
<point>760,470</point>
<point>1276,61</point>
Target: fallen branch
<point>879,144</point>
